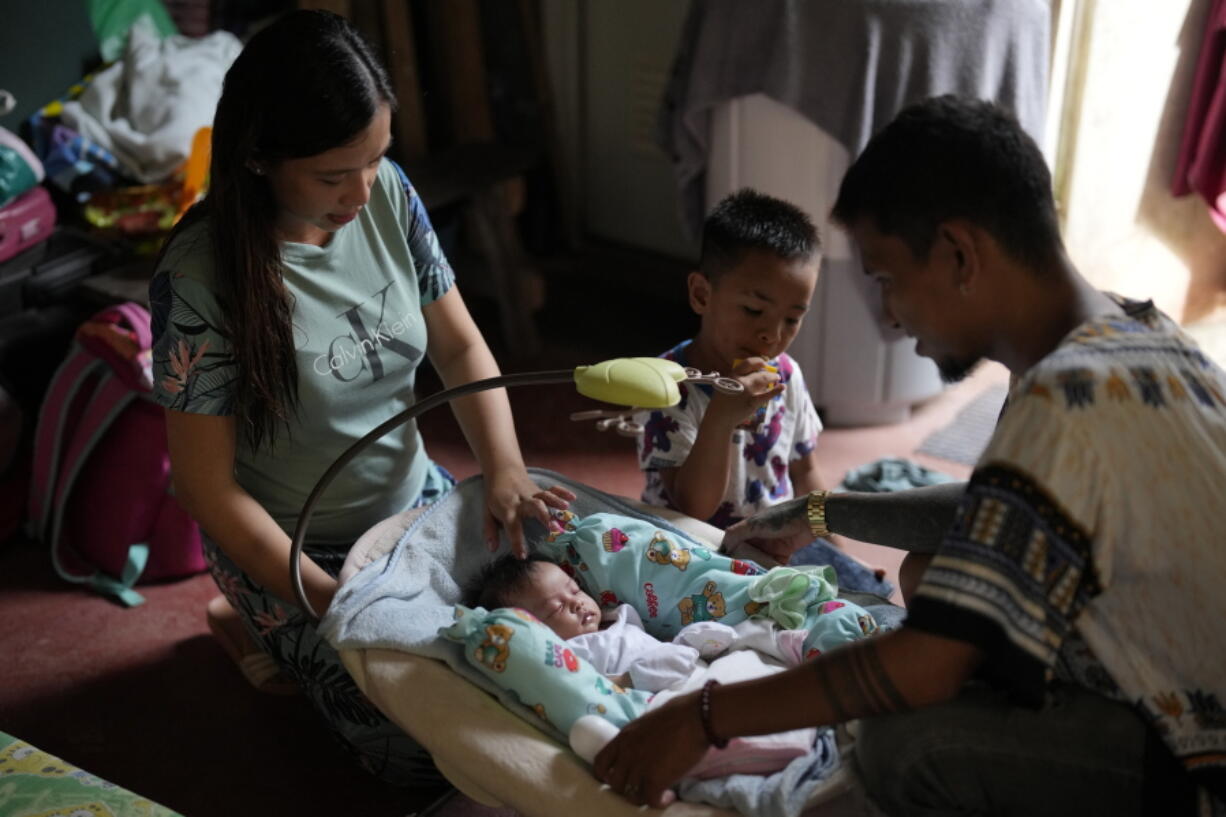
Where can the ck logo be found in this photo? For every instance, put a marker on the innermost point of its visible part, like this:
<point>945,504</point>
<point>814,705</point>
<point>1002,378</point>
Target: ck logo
<point>352,353</point>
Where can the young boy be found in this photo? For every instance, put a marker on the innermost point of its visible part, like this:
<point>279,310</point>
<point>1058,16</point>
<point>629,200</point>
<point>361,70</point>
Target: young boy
<point>723,458</point>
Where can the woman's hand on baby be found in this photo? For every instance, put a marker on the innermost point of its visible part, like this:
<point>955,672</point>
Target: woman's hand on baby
<point>537,506</point>
<point>632,763</point>
<point>779,531</point>
<point>761,382</point>
<point>510,494</point>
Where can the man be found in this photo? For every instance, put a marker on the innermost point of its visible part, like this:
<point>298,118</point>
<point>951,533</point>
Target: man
<point>1065,647</point>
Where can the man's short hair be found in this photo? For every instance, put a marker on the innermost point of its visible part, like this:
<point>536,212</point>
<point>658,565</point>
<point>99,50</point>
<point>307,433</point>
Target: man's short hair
<point>496,584</point>
<point>748,220</point>
<point>951,158</point>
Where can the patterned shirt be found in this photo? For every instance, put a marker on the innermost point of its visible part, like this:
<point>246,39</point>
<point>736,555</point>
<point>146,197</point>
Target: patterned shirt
<point>1090,539</point>
<point>359,337</point>
<point>786,430</point>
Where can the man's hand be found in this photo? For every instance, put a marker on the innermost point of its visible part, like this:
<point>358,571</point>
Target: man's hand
<point>632,763</point>
<point>779,531</point>
<point>510,495</point>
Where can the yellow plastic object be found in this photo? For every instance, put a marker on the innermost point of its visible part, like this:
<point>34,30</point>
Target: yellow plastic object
<point>648,382</point>
<point>196,170</point>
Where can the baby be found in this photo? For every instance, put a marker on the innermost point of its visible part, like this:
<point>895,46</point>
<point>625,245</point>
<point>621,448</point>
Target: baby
<point>614,642</point>
<point>616,645</point>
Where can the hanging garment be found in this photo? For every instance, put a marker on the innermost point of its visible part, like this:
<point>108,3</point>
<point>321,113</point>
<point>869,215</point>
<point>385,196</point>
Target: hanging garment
<point>847,67</point>
<point>1202,155</point>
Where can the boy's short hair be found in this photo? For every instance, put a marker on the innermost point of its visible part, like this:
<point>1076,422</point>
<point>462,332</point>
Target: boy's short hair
<point>947,158</point>
<point>499,581</point>
<point>749,220</point>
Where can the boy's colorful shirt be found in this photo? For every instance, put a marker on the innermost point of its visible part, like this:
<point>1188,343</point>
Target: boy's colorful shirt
<point>787,431</point>
<point>1089,543</point>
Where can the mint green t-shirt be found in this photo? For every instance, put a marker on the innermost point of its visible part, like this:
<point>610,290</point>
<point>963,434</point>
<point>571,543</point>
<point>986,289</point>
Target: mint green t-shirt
<point>359,336</point>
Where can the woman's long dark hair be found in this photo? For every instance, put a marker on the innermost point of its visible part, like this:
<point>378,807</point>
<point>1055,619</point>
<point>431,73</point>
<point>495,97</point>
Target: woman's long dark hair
<point>303,85</point>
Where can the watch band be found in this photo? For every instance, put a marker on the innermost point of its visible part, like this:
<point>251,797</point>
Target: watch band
<point>815,510</point>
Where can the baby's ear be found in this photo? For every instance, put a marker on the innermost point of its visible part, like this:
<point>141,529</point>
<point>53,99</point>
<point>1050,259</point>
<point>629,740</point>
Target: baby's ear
<point>699,286</point>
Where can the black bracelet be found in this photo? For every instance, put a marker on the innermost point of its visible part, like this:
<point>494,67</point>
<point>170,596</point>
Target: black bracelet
<point>704,713</point>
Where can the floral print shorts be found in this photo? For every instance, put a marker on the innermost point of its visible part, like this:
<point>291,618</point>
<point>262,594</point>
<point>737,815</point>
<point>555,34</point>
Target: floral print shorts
<point>292,641</point>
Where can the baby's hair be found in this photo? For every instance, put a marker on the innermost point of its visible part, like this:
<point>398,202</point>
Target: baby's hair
<point>496,584</point>
<point>749,220</point>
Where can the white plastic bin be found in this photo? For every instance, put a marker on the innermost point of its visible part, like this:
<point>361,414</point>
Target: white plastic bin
<point>859,370</point>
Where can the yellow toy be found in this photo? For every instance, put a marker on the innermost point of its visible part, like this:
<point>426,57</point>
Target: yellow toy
<point>638,383</point>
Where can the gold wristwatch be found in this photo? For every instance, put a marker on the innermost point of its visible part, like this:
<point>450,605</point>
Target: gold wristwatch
<point>815,509</point>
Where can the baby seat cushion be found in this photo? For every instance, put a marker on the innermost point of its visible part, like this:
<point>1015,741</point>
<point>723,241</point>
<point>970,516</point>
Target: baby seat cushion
<point>404,599</point>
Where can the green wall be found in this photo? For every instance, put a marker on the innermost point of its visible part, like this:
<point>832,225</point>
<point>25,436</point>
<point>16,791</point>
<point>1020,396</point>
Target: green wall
<point>45,46</point>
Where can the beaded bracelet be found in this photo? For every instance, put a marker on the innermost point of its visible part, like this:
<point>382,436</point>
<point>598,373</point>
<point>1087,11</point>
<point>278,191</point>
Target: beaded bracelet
<point>704,712</point>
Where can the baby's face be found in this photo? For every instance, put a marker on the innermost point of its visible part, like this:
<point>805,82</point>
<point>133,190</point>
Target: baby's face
<point>556,599</point>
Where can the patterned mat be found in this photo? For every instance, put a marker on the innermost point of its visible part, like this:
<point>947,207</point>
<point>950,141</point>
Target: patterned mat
<point>965,437</point>
<point>37,783</point>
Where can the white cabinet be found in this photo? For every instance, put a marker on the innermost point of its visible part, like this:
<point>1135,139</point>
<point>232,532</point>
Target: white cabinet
<point>859,371</point>
<point>628,191</point>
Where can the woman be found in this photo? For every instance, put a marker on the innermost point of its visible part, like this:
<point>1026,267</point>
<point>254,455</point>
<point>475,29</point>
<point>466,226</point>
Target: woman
<point>291,309</point>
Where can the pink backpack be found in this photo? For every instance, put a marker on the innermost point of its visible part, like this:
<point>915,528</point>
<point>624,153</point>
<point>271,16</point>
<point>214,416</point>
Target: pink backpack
<point>100,490</point>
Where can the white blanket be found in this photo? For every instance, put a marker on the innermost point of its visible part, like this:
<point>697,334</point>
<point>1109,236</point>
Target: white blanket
<point>147,107</point>
<point>760,753</point>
